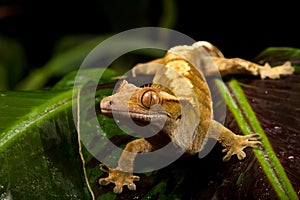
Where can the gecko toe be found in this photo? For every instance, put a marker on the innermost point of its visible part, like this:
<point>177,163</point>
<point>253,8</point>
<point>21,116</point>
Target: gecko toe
<point>226,158</point>
<point>131,186</point>
<point>241,155</point>
<point>252,137</point>
<point>104,181</point>
<point>118,189</point>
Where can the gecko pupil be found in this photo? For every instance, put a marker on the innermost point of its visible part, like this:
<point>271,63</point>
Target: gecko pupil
<point>149,98</point>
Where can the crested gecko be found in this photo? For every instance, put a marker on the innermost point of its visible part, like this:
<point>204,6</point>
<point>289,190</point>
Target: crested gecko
<point>137,106</point>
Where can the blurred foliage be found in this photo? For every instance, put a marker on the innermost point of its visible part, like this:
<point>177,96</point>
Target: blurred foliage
<point>69,50</point>
<point>12,62</point>
<point>61,63</point>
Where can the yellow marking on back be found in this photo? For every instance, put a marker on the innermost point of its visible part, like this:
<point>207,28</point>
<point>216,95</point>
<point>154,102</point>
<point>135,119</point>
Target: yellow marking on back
<point>182,68</point>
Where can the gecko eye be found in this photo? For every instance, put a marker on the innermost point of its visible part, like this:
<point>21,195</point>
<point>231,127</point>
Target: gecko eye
<point>150,98</point>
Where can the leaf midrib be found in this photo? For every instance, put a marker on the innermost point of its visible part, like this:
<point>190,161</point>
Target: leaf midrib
<point>35,116</point>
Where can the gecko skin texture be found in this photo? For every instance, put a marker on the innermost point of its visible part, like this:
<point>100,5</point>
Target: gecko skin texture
<point>138,102</point>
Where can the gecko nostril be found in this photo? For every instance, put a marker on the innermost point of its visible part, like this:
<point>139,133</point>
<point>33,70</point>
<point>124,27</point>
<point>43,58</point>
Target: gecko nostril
<point>110,103</point>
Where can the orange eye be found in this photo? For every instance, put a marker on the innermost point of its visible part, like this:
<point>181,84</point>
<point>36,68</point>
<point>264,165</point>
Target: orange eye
<point>150,98</point>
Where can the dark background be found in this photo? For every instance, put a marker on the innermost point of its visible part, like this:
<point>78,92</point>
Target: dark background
<point>239,30</point>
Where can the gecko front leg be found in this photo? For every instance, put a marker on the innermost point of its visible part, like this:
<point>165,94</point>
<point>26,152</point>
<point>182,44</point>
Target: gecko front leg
<point>232,143</point>
<point>122,175</point>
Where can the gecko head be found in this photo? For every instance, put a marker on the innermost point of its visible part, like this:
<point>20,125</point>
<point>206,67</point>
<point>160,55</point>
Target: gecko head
<point>149,104</point>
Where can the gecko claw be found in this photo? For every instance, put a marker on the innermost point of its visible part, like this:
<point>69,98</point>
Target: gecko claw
<point>119,178</point>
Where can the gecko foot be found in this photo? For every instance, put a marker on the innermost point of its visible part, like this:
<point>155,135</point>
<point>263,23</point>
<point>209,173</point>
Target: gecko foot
<point>275,72</point>
<point>119,178</point>
<point>239,144</point>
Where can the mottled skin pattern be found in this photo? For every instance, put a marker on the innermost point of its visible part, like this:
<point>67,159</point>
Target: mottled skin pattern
<point>142,99</point>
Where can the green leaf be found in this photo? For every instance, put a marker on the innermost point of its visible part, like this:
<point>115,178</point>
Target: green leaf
<point>38,147</point>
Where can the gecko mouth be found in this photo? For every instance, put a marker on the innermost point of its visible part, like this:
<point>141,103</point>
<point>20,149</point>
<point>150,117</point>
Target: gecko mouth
<point>142,124</point>
<point>135,116</point>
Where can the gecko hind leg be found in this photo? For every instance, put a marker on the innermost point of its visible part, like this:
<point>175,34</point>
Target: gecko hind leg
<point>228,66</point>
